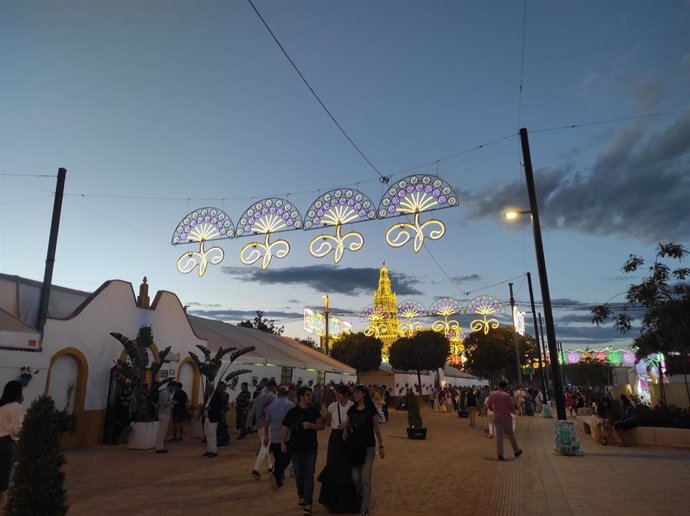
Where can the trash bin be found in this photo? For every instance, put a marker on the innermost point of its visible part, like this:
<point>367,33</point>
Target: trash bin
<point>565,438</point>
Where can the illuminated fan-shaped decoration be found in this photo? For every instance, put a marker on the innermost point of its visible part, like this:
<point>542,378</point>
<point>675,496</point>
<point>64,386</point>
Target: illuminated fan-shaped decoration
<point>377,321</point>
<point>202,225</point>
<point>484,306</point>
<point>335,208</point>
<point>264,217</point>
<point>413,195</point>
<point>446,307</point>
<point>410,310</point>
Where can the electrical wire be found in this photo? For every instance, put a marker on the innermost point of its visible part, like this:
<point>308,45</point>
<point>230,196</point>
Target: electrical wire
<point>609,121</point>
<point>383,178</point>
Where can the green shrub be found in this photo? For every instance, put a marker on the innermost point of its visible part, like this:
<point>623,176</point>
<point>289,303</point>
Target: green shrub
<point>37,488</point>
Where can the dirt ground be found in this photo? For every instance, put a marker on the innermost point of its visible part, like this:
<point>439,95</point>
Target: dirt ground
<point>453,472</point>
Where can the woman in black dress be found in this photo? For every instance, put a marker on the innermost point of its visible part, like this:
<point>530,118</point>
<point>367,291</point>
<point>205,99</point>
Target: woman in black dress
<point>362,433</point>
<point>338,491</point>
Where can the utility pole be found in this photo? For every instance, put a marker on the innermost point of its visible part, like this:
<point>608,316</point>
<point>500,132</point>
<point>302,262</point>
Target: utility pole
<point>515,336</point>
<point>536,336</point>
<point>541,329</point>
<point>52,246</point>
<point>325,310</point>
<point>543,276</point>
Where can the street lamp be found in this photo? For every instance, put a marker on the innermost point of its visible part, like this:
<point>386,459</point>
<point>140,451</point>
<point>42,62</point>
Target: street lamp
<point>543,277</point>
<point>325,312</point>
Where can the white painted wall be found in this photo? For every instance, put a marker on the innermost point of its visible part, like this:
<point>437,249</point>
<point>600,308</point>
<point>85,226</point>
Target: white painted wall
<point>63,373</point>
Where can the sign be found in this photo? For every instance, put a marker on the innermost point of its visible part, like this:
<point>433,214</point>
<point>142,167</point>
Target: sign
<point>518,321</point>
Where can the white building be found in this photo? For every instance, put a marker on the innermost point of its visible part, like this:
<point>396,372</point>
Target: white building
<point>72,358</point>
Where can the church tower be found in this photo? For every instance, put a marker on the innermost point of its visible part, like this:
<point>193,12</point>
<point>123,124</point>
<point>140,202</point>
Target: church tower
<point>386,303</point>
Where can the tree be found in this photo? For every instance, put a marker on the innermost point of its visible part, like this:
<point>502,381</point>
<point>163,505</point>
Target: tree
<point>259,323</point>
<point>590,371</point>
<point>38,478</point>
<point>309,342</point>
<point>664,296</point>
<point>133,369</point>
<point>492,355</point>
<point>210,366</point>
<point>426,350</point>
<point>359,351</point>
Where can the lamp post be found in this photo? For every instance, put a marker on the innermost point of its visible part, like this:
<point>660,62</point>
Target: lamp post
<point>325,312</point>
<point>543,277</point>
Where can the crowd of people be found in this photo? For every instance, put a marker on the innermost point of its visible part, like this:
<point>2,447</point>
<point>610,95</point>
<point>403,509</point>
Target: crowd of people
<point>286,420</point>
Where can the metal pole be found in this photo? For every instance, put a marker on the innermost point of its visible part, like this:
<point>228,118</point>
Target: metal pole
<point>543,276</point>
<point>325,306</point>
<point>515,337</point>
<point>52,246</point>
<point>536,336</point>
<point>541,329</point>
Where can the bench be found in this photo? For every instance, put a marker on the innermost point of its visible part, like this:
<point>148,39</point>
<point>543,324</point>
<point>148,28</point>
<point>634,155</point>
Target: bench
<point>584,424</point>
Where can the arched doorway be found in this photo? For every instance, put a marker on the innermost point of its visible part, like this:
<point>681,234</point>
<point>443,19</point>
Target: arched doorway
<point>66,385</point>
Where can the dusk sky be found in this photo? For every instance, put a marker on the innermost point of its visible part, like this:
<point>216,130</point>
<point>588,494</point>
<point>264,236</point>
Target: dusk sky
<point>157,108</point>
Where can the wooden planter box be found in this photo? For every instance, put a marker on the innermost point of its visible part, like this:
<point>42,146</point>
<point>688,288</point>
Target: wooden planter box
<point>416,433</point>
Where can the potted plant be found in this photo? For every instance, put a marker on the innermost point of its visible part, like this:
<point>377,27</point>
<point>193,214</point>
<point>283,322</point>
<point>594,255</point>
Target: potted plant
<point>132,371</point>
<point>426,350</point>
<point>209,366</point>
<point>415,425</point>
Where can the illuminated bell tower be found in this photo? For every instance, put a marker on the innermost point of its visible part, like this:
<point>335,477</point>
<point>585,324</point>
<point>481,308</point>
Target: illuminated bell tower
<point>386,302</point>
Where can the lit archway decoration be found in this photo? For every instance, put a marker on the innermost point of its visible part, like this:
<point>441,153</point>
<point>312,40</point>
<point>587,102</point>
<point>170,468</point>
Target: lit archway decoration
<point>410,310</point>
<point>336,208</point>
<point>271,215</point>
<point>413,195</point>
<point>484,306</point>
<point>457,348</point>
<point>446,307</point>
<point>201,226</point>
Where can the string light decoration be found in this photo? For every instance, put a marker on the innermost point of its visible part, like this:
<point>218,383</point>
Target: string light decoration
<point>200,226</point>
<point>410,310</point>
<point>265,217</point>
<point>377,321</point>
<point>484,306</point>
<point>445,307</point>
<point>456,357</point>
<point>410,196</point>
<point>414,195</point>
<point>335,208</point>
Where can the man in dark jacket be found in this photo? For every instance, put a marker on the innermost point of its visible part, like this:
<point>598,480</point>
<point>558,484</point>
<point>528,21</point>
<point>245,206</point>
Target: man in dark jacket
<point>216,409</point>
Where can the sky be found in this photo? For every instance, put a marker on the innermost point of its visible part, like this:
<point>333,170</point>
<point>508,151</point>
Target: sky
<point>158,108</point>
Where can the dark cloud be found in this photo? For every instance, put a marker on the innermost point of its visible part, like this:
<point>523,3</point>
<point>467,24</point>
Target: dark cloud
<point>242,315</point>
<point>205,305</point>
<point>293,300</point>
<point>591,335</point>
<point>639,186</point>
<point>325,278</point>
<point>471,277</point>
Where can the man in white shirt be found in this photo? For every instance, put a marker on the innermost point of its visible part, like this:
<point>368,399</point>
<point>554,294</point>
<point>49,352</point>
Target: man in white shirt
<point>165,404</point>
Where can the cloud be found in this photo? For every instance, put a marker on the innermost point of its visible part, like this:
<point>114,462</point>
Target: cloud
<point>293,300</point>
<point>639,187</point>
<point>648,93</point>
<point>205,305</point>
<point>229,314</point>
<point>471,277</point>
<point>324,278</point>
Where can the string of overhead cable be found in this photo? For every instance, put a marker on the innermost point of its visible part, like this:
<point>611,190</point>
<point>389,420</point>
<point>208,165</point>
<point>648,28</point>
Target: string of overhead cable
<point>382,178</point>
<point>610,121</point>
<point>27,175</point>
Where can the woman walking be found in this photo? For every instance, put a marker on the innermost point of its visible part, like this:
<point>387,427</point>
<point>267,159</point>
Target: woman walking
<point>362,434</point>
<point>11,417</point>
<point>338,491</point>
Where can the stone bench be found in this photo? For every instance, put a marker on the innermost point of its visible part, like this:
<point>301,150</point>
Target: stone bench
<point>643,435</point>
<point>583,423</point>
